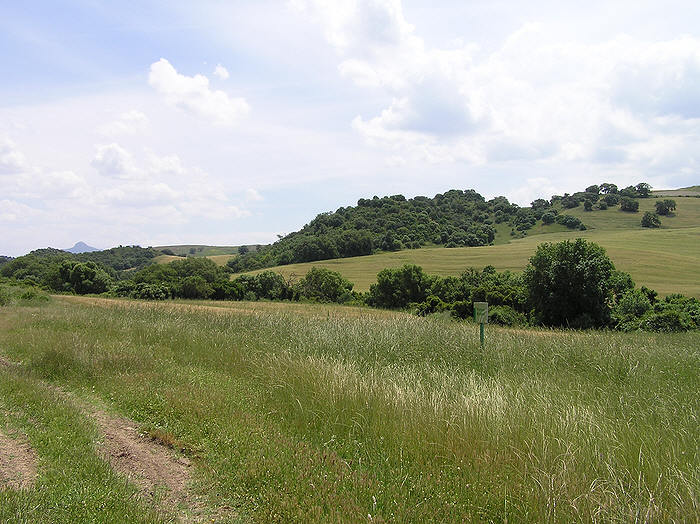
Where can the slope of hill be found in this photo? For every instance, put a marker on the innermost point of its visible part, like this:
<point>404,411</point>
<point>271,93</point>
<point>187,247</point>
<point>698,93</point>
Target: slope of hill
<point>665,259</point>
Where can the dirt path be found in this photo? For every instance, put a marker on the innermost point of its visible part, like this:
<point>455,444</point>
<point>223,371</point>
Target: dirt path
<point>17,462</point>
<point>160,474</point>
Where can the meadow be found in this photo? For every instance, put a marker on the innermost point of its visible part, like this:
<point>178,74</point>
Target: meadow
<point>317,413</point>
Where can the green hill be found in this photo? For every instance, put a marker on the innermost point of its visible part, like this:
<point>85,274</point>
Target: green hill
<point>665,259</point>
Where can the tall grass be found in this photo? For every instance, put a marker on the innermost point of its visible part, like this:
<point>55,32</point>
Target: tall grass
<point>313,416</point>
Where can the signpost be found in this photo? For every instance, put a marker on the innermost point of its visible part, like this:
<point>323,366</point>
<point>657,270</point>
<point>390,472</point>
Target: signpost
<point>481,315</point>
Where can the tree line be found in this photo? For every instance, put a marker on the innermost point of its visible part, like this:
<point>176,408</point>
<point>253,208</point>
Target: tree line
<point>570,284</point>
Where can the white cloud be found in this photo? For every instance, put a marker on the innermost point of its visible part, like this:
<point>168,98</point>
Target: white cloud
<point>534,98</point>
<point>12,160</point>
<point>194,94</point>
<point>252,195</point>
<point>221,72</point>
<point>128,123</point>
<point>111,160</point>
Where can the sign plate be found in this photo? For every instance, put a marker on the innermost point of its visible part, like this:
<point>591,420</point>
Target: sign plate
<point>481,312</point>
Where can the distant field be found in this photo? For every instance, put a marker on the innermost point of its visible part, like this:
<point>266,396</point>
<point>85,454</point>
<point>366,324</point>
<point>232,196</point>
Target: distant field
<point>219,259</point>
<point>693,191</point>
<point>317,413</point>
<point>201,250</point>
<point>667,260</point>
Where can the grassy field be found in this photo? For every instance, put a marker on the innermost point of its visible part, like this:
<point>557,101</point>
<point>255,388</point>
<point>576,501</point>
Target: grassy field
<point>325,413</point>
<point>219,259</point>
<point>201,250</point>
<point>665,259</point>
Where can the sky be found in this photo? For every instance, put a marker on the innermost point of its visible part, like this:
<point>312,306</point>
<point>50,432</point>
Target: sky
<point>231,122</point>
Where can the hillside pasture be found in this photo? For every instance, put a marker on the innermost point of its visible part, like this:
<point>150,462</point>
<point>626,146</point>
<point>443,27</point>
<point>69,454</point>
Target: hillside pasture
<point>352,415</point>
<point>667,260</point>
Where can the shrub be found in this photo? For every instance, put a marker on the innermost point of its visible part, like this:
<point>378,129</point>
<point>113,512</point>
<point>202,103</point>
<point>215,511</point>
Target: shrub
<point>664,207</point>
<point>396,288</point>
<point>324,285</point>
<point>505,316</point>
<point>669,320</point>
<point>650,220</point>
<point>629,204</point>
<point>602,205</point>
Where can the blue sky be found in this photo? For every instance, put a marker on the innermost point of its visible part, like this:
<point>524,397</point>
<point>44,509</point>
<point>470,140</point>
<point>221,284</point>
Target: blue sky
<point>219,122</point>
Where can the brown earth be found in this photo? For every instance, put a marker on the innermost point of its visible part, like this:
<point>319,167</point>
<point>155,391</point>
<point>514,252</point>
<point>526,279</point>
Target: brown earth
<point>158,472</point>
<point>17,462</point>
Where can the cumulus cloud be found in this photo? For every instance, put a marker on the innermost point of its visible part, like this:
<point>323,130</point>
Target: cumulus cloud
<point>193,94</point>
<point>252,195</point>
<point>112,160</point>
<point>623,102</point>
<point>128,123</point>
<point>12,160</point>
<point>221,72</point>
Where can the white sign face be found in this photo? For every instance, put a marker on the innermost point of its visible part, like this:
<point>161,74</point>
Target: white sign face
<point>481,312</point>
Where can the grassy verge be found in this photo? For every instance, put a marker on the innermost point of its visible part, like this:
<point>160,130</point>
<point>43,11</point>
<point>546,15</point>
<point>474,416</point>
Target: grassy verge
<point>318,417</point>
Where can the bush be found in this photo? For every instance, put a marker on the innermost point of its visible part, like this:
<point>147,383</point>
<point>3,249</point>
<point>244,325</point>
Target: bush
<point>650,220</point>
<point>146,291</point>
<point>324,285</point>
<point>602,205</point>
<point>664,207</point>
<point>505,316</point>
<point>396,288</point>
<point>629,204</point>
<point>670,320</point>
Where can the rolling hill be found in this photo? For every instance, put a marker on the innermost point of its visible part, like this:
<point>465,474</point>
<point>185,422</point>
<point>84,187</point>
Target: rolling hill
<point>665,259</point>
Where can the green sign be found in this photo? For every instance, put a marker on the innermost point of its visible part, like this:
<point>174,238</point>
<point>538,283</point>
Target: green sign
<point>481,312</point>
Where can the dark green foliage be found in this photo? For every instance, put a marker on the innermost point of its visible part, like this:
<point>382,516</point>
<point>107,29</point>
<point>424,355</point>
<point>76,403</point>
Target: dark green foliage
<point>456,218</point>
<point>643,190</point>
<point>4,260</point>
<point>587,205</point>
<point>608,189</point>
<point>568,284</point>
<point>506,316</point>
<point>611,199</point>
<point>629,204</point>
<point>664,207</point>
<point>602,205</point>
<point>549,217</point>
<point>651,220</point>
<point>398,287</point>
<point>569,221</point>
<point>121,258</point>
<point>77,277</point>
<point>593,189</point>
<point>324,285</point>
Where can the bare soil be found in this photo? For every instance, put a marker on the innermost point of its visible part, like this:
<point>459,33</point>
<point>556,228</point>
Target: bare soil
<point>17,462</point>
<point>159,473</point>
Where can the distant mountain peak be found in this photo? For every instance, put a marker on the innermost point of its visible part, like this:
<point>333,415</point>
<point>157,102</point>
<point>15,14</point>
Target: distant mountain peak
<point>81,247</point>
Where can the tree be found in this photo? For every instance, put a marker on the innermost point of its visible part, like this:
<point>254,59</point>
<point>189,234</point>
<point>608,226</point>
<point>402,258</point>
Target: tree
<point>324,285</point>
<point>629,204</point>
<point>593,189</point>
<point>569,284</point>
<point>587,205</point>
<point>242,250</point>
<point>664,207</point>
<point>608,189</point>
<point>650,220</point>
<point>643,190</point>
<point>396,288</point>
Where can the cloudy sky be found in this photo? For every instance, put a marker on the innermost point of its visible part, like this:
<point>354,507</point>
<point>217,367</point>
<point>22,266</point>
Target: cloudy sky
<point>228,122</point>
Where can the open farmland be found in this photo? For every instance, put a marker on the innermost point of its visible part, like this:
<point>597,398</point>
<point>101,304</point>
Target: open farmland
<point>325,413</point>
